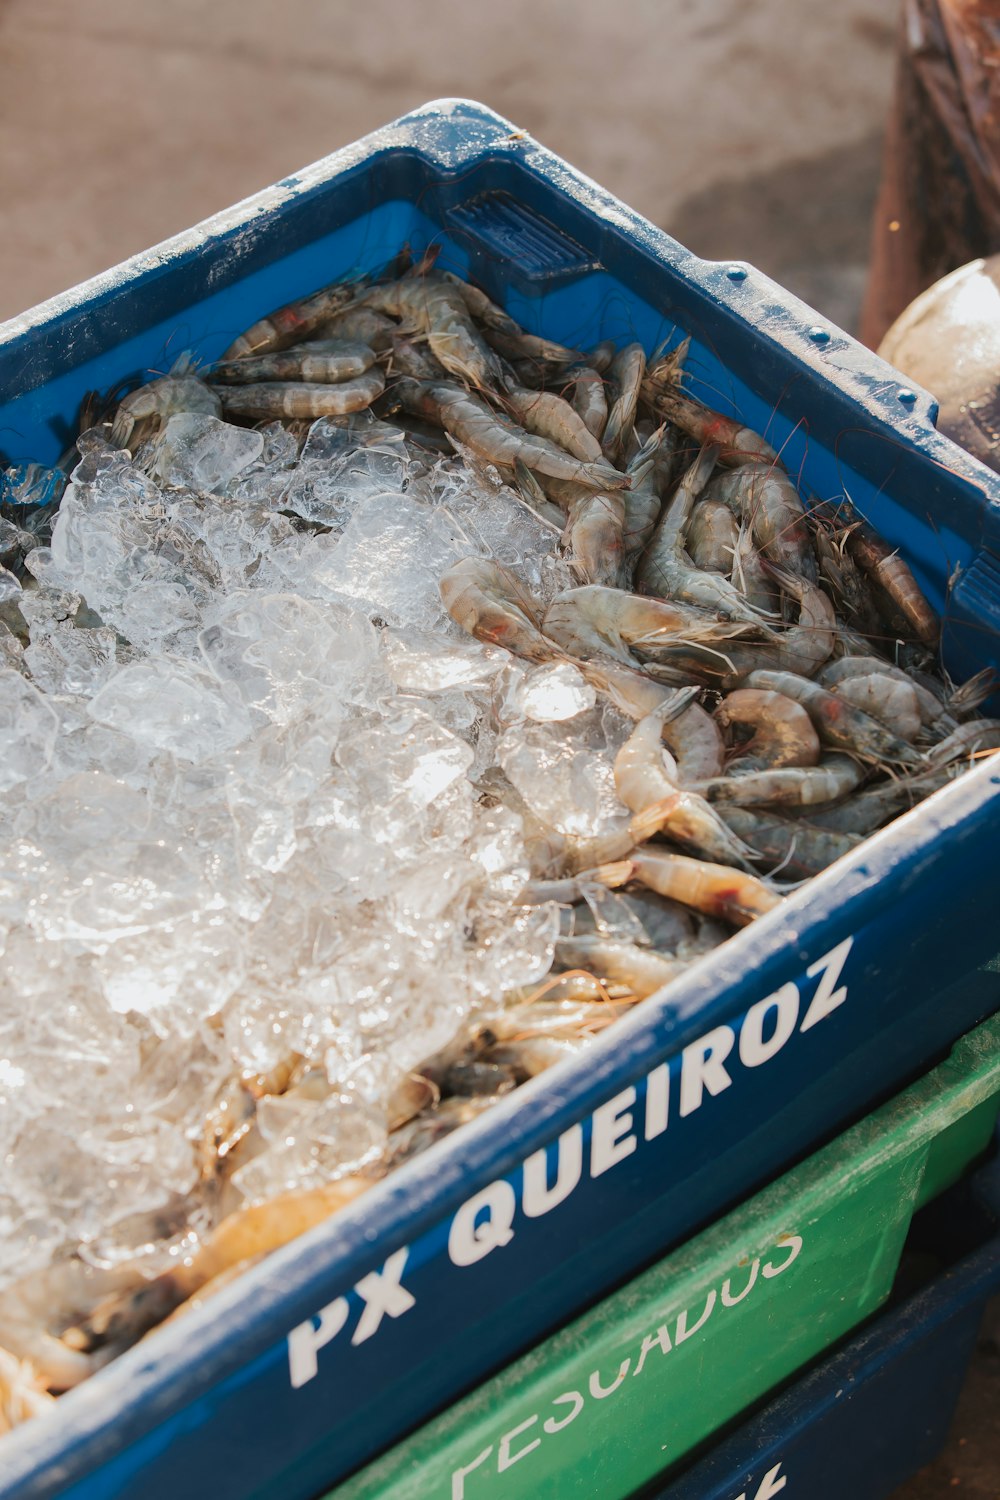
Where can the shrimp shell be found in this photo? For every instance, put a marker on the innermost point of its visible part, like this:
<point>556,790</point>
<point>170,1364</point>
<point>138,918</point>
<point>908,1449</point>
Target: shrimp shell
<point>967,739</point>
<point>363,324</point>
<point>783,731</point>
<point>788,786</point>
<point>326,361</point>
<point>642,969</point>
<point>490,604</point>
<point>714,889</point>
<point>22,1393</point>
<point>893,703</point>
<point>646,780</point>
<point>878,804</point>
<point>595,537</point>
<point>883,563</point>
<point>737,444</point>
<point>711,537</point>
<point>666,571</point>
<point>763,495</point>
<point>291,324</point>
<point>551,417</point>
<point>296,400</point>
<point>432,306</point>
<point>589,399</point>
<point>493,437</point>
<point>158,400</point>
<point>800,849</point>
<point>627,370</point>
<point>835,673</point>
<point>838,722</point>
<point>695,743</point>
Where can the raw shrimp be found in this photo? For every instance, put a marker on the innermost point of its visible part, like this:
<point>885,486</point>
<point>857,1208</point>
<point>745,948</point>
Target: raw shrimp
<point>600,357</point>
<point>807,644</point>
<point>594,537</point>
<point>714,889</point>
<point>361,323</point>
<point>627,370</point>
<point>433,306</point>
<point>495,438</point>
<point>506,335</point>
<point>838,722</point>
<point>711,538</point>
<point>632,692</point>
<point>966,740</point>
<point>121,1319</point>
<point>293,323</point>
<point>413,357</point>
<point>642,501</point>
<point>151,406</point>
<point>665,569</point>
<point>646,781</point>
<point>36,1311</point>
<point>572,987</point>
<point>749,571</point>
<point>788,786</point>
<point>434,1125</point>
<point>325,362</point>
<point>573,854</point>
<point>547,1017</point>
<point>669,924</point>
<point>609,622</point>
<point>694,741</point>
<point>411,1094</point>
<point>930,707</point>
<point>22,1392</point>
<point>893,703</point>
<point>571,889</point>
<point>874,806</point>
<point>840,571</point>
<point>589,400</point>
<point>532,1055</point>
<point>549,416</point>
<point>970,695</point>
<point>642,969</point>
<point>738,444</point>
<point>490,604</point>
<point>765,497</point>
<point>881,562</point>
<point>271,399</point>
<point>783,734</point>
<point>800,849</point>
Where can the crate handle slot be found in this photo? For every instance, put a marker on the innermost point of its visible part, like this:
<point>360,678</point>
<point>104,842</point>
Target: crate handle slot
<point>529,249</point>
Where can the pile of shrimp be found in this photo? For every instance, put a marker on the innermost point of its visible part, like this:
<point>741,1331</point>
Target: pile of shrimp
<point>773,657</point>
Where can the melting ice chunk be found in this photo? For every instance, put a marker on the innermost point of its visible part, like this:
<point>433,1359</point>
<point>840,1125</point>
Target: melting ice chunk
<point>199,452</point>
<point>28,727</point>
<point>173,706</point>
<point>552,692</point>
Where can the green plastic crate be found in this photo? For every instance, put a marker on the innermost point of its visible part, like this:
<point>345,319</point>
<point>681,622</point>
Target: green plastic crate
<point>623,1392</point>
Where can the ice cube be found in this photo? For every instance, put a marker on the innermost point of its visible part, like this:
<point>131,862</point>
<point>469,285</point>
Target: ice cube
<point>199,452</point>
<point>550,693</point>
<point>28,728</point>
<point>171,705</point>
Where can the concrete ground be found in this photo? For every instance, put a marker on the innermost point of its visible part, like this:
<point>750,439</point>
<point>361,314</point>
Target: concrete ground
<point>746,130</point>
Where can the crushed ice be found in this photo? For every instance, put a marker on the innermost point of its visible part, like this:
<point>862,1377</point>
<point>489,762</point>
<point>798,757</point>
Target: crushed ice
<point>253,807</point>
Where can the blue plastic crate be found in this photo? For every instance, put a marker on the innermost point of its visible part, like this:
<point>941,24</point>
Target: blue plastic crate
<point>880,1408</point>
<point>339,1344</point>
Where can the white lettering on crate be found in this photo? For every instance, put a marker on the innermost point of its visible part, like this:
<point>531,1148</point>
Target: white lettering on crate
<point>380,1291</point>
<point>772,1482</point>
<point>486,1221</point>
<point>510,1446</point>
